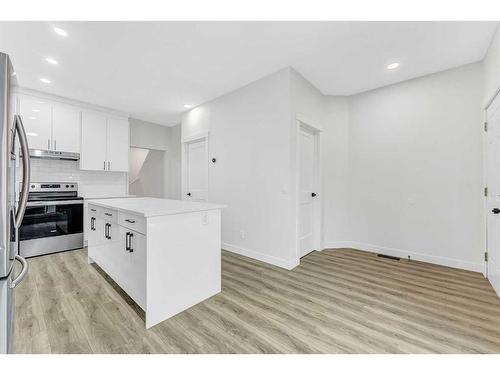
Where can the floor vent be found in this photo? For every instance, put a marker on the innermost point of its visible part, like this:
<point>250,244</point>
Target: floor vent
<point>388,257</point>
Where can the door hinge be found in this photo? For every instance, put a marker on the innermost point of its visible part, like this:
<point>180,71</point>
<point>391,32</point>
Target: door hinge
<point>486,191</point>
<point>485,256</point>
<point>485,126</point>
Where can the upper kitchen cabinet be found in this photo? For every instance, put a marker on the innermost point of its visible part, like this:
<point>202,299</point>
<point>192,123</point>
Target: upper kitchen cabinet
<point>104,143</point>
<point>117,144</point>
<point>36,115</point>
<point>50,125</point>
<point>93,142</point>
<point>65,128</point>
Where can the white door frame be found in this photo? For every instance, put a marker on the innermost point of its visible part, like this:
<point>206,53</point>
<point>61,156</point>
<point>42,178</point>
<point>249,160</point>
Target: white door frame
<point>185,142</point>
<point>315,129</point>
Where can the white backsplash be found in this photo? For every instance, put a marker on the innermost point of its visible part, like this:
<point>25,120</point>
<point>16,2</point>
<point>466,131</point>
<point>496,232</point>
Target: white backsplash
<point>91,184</point>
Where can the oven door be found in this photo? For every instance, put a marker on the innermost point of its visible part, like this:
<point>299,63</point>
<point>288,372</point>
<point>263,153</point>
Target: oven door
<point>50,227</point>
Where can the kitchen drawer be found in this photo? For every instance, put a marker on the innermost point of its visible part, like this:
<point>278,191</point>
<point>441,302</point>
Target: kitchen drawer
<point>131,221</point>
<point>105,213</point>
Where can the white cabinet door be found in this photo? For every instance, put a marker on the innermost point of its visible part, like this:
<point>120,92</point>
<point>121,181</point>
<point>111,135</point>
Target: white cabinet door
<point>117,145</point>
<point>136,262</point>
<point>93,142</point>
<point>65,128</point>
<point>37,119</point>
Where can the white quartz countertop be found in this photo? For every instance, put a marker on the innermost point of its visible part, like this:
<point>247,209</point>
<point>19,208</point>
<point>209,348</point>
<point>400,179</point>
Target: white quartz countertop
<point>147,207</point>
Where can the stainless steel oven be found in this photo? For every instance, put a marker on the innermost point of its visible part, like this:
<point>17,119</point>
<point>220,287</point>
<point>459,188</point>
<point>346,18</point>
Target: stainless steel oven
<point>53,220</point>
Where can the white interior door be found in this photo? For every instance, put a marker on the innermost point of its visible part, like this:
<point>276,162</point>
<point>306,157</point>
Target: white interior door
<point>197,170</point>
<point>308,223</point>
<point>493,198</point>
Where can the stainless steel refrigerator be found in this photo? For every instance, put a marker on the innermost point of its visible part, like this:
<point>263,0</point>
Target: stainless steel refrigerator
<point>13,144</point>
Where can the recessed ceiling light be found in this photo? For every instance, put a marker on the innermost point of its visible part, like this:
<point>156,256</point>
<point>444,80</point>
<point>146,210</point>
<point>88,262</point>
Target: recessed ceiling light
<point>36,110</point>
<point>393,65</point>
<point>187,106</point>
<point>13,74</point>
<point>44,80</point>
<point>32,118</point>
<point>51,61</point>
<point>32,134</point>
<point>60,31</point>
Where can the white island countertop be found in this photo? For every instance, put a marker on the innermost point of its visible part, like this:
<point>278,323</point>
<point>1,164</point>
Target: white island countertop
<point>148,207</point>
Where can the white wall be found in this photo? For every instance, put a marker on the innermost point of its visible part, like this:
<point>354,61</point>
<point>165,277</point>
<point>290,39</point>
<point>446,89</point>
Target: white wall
<point>146,168</point>
<point>173,163</point>
<point>152,136</point>
<point>415,168</point>
<point>148,135</point>
<point>250,132</point>
<point>492,68</point>
<point>401,166</point>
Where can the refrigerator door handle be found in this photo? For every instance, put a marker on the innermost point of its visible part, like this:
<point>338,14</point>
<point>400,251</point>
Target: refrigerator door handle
<point>23,273</point>
<point>23,199</point>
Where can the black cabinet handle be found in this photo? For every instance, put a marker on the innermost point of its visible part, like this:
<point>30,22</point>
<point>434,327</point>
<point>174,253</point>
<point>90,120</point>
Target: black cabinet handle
<point>313,194</point>
<point>107,232</point>
<point>496,211</point>
<point>128,242</point>
<point>127,235</point>
<point>108,214</point>
<point>92,223</point>
<point>130,221</point>
<point>130,249</point>
<point>189,194</point>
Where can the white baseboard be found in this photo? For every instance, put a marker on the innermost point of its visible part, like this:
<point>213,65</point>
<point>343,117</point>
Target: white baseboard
<point>275,261</point>
<point>442,261</point>
<point>337,245</point>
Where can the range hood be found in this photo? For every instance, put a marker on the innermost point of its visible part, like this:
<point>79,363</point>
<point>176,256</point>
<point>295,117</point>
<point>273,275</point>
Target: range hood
<point>60,155</point>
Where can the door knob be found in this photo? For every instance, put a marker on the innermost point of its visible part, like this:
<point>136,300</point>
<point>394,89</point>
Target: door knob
<point>313,195</point>
<point>189,194</point>
<point>496,211</point>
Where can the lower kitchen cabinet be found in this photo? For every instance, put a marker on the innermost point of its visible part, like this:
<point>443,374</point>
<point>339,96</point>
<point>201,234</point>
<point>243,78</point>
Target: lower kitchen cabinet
<point>121,253</point>
<point>165,254</point>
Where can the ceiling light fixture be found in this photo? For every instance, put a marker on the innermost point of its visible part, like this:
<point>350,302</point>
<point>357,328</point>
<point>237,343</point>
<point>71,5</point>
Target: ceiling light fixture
<point>50,60</point>
<point>36,110</point>
<point>32,134</point>
<point>187,106</point>
<point>32,118</point>
<point>60,31</point>
<point>393,65</point>
<point>44,80</point>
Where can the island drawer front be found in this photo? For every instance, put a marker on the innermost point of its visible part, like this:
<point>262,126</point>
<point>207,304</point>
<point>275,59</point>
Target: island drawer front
<point>134,222</point>
<point>107,214</point>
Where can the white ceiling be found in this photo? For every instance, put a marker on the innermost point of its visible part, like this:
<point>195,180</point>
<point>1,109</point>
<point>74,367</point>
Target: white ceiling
<point>150,69</point>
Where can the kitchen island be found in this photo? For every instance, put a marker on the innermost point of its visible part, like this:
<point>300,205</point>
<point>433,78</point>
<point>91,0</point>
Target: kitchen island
<point>165,254</point>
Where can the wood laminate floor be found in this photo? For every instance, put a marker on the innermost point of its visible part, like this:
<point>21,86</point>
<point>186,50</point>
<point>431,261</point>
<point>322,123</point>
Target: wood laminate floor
<point>336,301</point>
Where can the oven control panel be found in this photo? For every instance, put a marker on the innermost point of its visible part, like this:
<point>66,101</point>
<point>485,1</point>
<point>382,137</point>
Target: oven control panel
<point>53,186</point>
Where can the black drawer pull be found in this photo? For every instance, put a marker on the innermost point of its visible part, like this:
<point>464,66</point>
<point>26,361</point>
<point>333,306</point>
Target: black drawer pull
<point>92,209</point>
<point>130,221</point>
<point>128,242</point>
<point>108,214</point>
